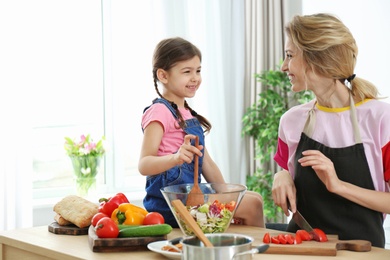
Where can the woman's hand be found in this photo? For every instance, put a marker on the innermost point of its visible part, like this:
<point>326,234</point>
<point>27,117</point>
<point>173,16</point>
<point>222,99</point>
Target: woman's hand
<point>323,167</point>
<point>187,150</point>
<point>284,192</point>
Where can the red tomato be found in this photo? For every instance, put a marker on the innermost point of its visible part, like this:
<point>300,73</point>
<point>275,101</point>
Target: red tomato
<point>97,217</point>
<point>106,228</point>
<point>153,218</point>
<point>282,239</point>
<point>275,240</point>
<point>266,238</point>
<point>297,239</point>
<point>289,239</point>
<point>321,235</point>
<point>231,205</point>
<point>305,236</point>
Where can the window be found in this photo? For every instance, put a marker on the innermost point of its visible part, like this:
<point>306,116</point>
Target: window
<point>106,58</point>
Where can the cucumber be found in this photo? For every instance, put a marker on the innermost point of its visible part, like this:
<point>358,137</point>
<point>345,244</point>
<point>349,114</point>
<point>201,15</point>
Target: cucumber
<point>144,230</point>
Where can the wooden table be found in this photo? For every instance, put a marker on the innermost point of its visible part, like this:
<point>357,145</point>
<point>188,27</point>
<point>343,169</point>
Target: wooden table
<point>38,243</point>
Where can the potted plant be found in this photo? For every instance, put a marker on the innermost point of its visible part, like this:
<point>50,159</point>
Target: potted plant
<point>261,122</point>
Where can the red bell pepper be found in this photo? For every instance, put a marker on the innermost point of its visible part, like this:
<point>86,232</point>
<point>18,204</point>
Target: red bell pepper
<point>107,206</point>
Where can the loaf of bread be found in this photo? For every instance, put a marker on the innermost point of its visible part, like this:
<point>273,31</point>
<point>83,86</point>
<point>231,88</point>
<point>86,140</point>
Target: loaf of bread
<point>77,210</point>
<point>61,221</point>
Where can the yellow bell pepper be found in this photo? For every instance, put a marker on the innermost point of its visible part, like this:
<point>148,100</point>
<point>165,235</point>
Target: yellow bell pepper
<point>129,214</point>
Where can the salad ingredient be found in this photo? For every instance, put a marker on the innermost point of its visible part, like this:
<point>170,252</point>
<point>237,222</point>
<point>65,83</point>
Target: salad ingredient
<point>106,228</point>
<point>107,206</point>
<point>129,214</point>
<point>305,236</point>
<point>282,239</point>
<point>153,218</point>
<point>297,239</point>
<point>275,240</point>
<point>289,239</point>
<point>98,216</point>
<point>266,238</point>
<point>144,230</point>
<point>212,217</point>
<point>321,235</point>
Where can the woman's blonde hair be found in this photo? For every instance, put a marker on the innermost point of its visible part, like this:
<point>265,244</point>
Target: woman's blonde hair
<point>330,50</point>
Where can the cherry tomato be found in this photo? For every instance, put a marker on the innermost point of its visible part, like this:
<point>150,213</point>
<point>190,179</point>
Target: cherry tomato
<point>282,239</point>
<point>106,228</point>
<point>305,236</point>
<point>231,205</point>
<point>321,235</point>
<point>97,217</point>
<point>289,239</point>
<point>275,240</point>
<point>297,239</point>
<point>153,218</point>
<point>266,238</point>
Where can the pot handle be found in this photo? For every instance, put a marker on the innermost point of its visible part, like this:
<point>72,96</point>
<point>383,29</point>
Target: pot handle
<point>256,250</point>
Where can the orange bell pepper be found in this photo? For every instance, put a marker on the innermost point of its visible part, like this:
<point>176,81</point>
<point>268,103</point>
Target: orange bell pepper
<point>129,214</point>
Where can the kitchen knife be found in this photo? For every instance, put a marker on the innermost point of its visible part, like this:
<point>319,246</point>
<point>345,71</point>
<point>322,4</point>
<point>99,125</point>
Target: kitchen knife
<point>302,223</point>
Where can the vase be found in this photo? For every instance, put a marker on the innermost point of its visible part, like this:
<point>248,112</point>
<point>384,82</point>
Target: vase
<point>85,169</point>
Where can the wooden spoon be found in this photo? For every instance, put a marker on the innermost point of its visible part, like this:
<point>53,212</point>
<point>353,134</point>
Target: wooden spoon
<point>186,216</point>
<point>195,196</point>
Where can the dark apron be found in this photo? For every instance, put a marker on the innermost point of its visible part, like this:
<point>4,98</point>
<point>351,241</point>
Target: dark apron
<point>330,212</point>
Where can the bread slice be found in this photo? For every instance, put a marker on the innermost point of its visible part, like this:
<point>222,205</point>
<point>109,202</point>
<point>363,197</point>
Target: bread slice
<point>61,221</point>
<point>77,210</point>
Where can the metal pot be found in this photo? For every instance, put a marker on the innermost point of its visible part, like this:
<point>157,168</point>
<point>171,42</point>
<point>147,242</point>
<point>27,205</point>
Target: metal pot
<point>225,246</point>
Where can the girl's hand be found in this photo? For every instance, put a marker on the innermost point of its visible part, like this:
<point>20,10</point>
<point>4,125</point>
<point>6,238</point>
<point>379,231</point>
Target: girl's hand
<point>284,192</point>
<point>187,150</point>
<point>323,167</point>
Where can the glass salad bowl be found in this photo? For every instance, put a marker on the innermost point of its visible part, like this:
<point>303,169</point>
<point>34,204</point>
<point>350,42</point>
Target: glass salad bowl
<point>215,214</point>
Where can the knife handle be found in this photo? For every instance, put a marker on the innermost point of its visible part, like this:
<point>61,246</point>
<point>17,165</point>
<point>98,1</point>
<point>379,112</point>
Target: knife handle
<point>354,245</point>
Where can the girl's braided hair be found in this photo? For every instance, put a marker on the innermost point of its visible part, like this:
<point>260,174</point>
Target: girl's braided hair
<point>167,53</point>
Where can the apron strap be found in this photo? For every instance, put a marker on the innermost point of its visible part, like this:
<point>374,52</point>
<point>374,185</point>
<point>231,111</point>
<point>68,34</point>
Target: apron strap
<point>308,129</point>
<point>356,130</point>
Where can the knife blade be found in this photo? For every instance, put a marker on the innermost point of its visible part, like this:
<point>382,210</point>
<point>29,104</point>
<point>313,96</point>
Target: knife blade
<point>302,223</point>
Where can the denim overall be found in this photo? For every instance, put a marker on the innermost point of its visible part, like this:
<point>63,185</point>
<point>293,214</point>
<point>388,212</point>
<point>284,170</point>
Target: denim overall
<point>154,200</point>
<point>330,212</point>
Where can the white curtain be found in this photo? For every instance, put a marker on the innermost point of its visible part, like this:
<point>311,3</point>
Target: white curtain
<point>15,151</point>
<point>264,41</point>
<point>217,28</point>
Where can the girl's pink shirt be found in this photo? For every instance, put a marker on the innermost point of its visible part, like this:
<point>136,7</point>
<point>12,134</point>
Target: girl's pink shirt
<point>173,136</point>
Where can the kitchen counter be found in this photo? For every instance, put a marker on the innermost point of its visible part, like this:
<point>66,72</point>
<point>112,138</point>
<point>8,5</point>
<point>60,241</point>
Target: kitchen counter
<point>38,243</point>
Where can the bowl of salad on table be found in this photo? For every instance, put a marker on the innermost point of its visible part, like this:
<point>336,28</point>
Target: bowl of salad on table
<point>215,210</point>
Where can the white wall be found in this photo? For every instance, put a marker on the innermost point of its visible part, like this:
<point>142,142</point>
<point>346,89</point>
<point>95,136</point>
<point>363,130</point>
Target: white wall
<point>368,22</point>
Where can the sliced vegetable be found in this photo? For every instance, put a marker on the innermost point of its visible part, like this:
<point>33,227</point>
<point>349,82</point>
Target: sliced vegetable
<point>266,238</point>
<point>305,236</point>
<point>282,239</point>
<point>321,235</point>
<point>275,240</point>
<point>144,230</point>
<point>212,217</point>
<point>297,239</point>
<point>289,239</point>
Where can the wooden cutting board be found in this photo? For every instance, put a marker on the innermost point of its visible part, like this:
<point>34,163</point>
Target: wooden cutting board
<point>119,244</point>
<point>67,230</point>
<point>328,248</point>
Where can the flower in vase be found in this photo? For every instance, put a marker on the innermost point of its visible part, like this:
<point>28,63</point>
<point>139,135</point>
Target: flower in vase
<point>85,155</point>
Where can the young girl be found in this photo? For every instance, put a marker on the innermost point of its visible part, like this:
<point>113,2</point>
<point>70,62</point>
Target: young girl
<point>169,126</point>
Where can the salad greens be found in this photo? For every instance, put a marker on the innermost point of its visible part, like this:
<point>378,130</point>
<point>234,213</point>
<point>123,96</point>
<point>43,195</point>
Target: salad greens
<point>212,217</point>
